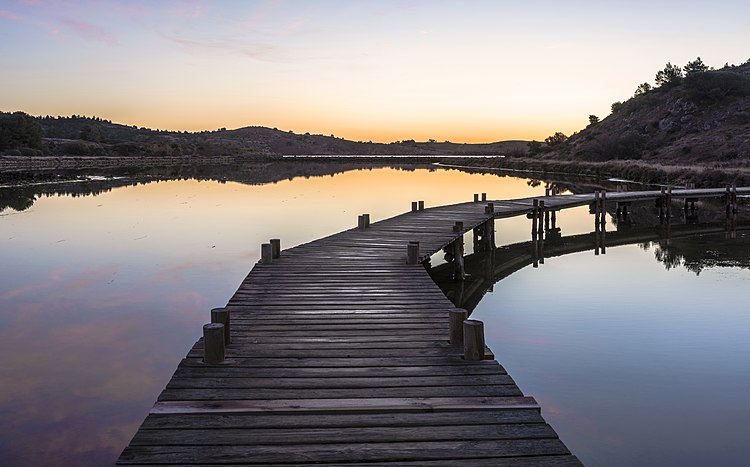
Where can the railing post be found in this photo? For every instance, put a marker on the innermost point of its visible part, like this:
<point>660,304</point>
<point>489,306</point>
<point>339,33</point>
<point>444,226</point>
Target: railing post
<point>275,248</point>
<point>456,320</point>
<point>266,253</point>
<point>412,253</point>
<point>221,316</point>
<point>473,340</point>
<point>213,343</point>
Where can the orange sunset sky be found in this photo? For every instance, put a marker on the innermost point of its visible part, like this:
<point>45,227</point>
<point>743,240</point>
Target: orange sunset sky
<point>464,71</point>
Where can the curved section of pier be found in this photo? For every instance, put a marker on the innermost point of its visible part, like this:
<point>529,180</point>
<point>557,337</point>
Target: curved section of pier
<point>339,354</point>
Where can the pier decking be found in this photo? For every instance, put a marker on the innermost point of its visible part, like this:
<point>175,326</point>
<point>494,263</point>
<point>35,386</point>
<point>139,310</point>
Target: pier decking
<point>339,354</point>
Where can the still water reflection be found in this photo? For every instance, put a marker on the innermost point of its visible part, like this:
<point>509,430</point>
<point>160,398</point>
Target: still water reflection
<point>101,296</point>
<point>638,356</point>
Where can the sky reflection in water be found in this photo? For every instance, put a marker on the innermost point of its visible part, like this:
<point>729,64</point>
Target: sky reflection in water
<point>102,296</point>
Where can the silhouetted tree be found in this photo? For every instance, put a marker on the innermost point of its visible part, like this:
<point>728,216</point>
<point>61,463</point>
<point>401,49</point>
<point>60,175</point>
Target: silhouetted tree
<point>557,138</point>
<point>18,130</point>
<point>671,74</point>
<point>535,147</point>
<point>616,106</point>
<point>642,88</point>
<point>696,66</point>
<point>593,119</point>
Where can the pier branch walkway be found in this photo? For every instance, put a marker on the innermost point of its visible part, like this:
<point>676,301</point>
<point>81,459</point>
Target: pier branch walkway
<point>339,354</point>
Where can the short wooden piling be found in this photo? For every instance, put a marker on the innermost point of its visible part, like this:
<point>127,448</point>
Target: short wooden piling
<point>534,217</point>
<point>540,213</point>
<point>275,248</point>
<point>421,205</point>
<point>361,222</point>
<point>489,208</point>
<point>412,253</point>
<point>266,253</point>
<point>458,226</point>
<point>669,203</point>
<point>221,316</point>
<point>484,196</point>
<point>414,206</point>
<point>473,340</point>
<point>476,197</point>
<point>213,343</point>
<point>456,320</point>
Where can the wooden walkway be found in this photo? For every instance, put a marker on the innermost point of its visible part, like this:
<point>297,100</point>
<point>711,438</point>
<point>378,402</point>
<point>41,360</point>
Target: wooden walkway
<point>339,355</point>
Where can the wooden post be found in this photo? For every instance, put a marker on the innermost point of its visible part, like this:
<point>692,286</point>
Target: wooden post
<point>421,205</point>
<point>221,316</point>
<point>361,222</point>
<point>597,213</point>
<point>669,203</point>
<point>367,220</point>
<point>456,320</point>
<point>489,208</point>
<point>275,248</point>
<point>734,200</point>
<point>458,226</point>
<point>603,211</point>
<point>473,340</point>
<point>661,203</point>
<point>412,253</point>
<point>541,217</point>
<point>414,206</point>
<point>484,196</point>
<point>534,217</point>
<point>476,197</point>
<point>266,253</point>
<point>213,343</point>
<point>458,258</point>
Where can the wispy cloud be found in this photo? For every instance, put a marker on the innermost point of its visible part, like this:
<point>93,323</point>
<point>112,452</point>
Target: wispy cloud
<point>11,16</point>
<point>89,31</point>
<point>254,50</point>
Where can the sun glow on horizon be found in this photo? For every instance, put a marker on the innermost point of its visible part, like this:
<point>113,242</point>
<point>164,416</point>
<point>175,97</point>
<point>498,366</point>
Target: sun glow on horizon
<point>381,71</point>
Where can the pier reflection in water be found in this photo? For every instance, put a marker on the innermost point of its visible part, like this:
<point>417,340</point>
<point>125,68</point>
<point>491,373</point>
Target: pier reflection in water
<point>631,333</point>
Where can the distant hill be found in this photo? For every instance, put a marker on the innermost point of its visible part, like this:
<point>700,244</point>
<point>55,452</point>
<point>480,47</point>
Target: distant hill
<point>78,136</point>
<point>702,118</point>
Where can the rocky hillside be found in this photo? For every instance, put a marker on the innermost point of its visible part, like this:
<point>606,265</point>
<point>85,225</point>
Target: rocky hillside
<point>700,119</point>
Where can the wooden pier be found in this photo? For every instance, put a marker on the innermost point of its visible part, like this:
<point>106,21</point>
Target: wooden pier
<point>340,354</point>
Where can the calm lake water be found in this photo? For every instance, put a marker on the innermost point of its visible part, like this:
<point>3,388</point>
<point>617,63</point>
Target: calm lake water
<point>101,296</point>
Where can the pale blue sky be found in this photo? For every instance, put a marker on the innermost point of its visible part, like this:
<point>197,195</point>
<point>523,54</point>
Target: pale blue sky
<point>380,70</point>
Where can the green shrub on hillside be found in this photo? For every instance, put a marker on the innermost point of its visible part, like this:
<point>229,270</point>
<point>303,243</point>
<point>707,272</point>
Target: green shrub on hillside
<point>716,86</point>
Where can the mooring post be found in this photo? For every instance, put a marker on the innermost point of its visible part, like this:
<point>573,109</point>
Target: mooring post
<point>213,343</point>
<point>412,253</point>
<point>484,196</point>
<point>456,320</point>
<point>603,211</point>
<point>414,206</point>
<point>361,222</point>
<point>275,248</point>
<point>221,316</point>
<point>476,197</point>
<point>266,253</point>
<point>458,226</point>
<point>489,208</point>
<point>534,217</point>
<point>473,340</point>
<point>734,200</point>
<point>421,205</point>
